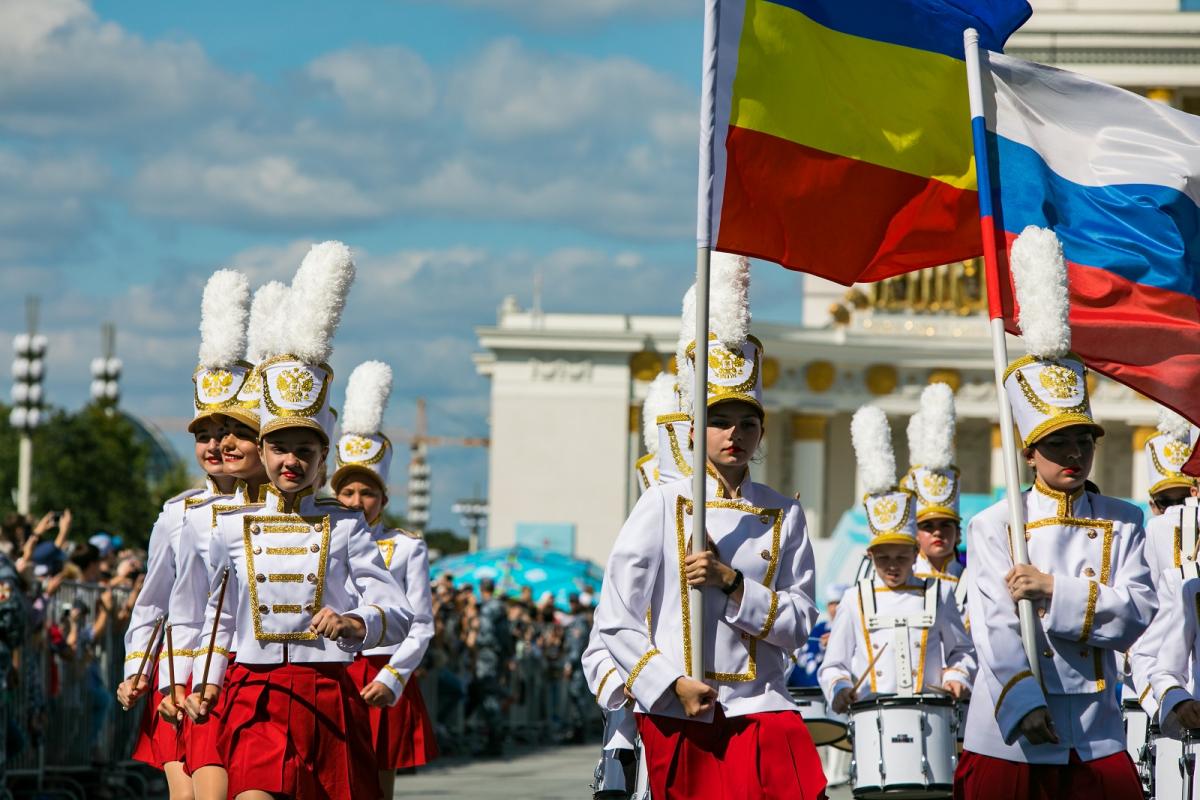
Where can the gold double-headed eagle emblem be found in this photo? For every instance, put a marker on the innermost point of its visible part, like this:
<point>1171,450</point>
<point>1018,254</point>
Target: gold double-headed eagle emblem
<point>1061,382</point>
<point>294,384</point>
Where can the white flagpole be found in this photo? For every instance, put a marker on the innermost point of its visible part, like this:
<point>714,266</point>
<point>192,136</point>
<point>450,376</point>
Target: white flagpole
<point>700,389</point>
<point>1012,478</point>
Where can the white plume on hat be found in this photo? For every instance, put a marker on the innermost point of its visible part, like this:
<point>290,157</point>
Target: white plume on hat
<point>915,431</point>
<point>660,400</point>
<point>683,366</point>
<point>319,292</point>
<point>728,315</point>
<point>872,439</point>
<point>937,427</point>
<point>268,321</point>
<point>367,394</point>
<point>223,312</point>
<point>1040,280</point>
<point>1173,425</point>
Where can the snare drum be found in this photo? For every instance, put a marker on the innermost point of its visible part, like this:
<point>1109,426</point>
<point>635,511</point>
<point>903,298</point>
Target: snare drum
<point>1137,741</point>
<point>904,747</point>
<point>824,725</point>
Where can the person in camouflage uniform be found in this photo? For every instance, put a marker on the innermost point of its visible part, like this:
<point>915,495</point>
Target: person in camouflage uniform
<point>493,652</point>
<point>12,635</point>
<point>579,698</point>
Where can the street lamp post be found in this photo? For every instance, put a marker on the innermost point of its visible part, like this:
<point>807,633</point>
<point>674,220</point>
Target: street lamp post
<point>474,516</point>
<point>106,371</point>
<point>28,371</point>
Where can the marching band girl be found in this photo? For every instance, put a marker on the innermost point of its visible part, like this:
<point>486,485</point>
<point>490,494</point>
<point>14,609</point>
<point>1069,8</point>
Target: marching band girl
<point>293,723</point>
<point>929,645</point>
<point>222,326</point>
<point>189,597</point>
<point>732,731</point>
<point>933,480</point>
<point>401,730</point>
<point>1088,580</point>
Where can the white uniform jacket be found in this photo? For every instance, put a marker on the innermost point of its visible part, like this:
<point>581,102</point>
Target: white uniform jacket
<point>1094,547</point>
<point>934,653</point>
<point>1170,545</point>
<point>154,601</point>
<point>1165,658</point>
<point>283,567</point>
<point>747,645</point>
<point>189,596</point>
<point>407,558</point>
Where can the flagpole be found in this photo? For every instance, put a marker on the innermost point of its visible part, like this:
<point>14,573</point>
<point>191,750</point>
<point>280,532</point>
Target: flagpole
<point>708,121</point>
<point>1012,479</point>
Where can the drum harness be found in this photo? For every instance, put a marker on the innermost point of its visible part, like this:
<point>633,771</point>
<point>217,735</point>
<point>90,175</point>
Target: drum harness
<point>900,626</point>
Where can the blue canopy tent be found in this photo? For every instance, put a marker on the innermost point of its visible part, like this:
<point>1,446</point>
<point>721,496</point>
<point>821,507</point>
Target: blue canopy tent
<point>512,568</point>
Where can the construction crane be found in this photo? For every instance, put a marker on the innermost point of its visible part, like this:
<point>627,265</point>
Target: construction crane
<point>419,473</point>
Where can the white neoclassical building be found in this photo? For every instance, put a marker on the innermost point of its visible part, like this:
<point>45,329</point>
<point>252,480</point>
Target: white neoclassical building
<point>566,389</point>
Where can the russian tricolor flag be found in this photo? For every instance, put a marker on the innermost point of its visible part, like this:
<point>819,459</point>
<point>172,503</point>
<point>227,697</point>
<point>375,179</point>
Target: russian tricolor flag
<point>1117,177</point>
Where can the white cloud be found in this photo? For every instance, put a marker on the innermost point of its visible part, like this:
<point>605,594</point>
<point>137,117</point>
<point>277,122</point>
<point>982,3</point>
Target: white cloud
<point>378,82</point>
<point>269,187</point>
<point>49,201</point>
<point>510,92</point>
<point>67,72</point>
<point>578,12</point>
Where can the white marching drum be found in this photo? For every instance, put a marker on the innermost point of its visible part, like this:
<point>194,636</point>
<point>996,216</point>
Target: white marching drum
<point>1173,762</point>
<point>824,725</point>
<point>1137,741</point>
<point>904,747</point>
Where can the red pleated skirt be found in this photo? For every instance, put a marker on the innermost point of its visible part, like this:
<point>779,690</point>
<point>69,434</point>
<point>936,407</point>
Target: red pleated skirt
<point>755,757</point>
<point>402,734</point>
<point>158,741</point>
<point>981,777</point>
<point>299,730</point>
<point>201,743</point>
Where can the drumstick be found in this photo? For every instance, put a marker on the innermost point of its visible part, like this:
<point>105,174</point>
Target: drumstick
<point>867,671</point>
<point>150,645</point>
<point>171,657</point>
<point>212,639</point>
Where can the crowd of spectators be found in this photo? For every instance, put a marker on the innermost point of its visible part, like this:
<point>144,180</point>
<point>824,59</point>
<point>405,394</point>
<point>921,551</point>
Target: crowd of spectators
<point>78,596</point>
<point>77,599</point>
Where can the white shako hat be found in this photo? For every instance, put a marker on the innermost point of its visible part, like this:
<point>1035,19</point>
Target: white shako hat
<point>1167,451</point>
<point>1047,388</point>
<point>734,356</point>
<point>891,511</point>
<point>660,399</point>
<point>362,447</point>
<point>932,476</point>
<point>222,368</point>
<point>296,379</point>
<point>268,319</point>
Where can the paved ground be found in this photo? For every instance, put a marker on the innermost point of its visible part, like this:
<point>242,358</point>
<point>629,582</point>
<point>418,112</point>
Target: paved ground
<point>560,773</point>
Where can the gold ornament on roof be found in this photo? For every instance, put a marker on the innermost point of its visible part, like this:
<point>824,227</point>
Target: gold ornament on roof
<point>216,382</point>
<point>294,384</point>
<point>1061,382</point>
<point>725,363</point>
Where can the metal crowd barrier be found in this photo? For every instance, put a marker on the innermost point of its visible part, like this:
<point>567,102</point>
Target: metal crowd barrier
<point>75,741</point>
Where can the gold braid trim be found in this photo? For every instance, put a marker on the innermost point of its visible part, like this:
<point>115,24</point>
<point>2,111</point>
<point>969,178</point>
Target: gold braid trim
<point>637,669</point>
<point>603,681</point>
<point>1089,616</point>
<point>396,674</point>
<point>1013,681</point>
<point>772,613</point>
<point>382,623</point>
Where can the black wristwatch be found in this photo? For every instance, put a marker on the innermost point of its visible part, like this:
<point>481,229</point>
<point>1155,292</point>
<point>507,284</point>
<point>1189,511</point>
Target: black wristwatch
<point>735,584</point>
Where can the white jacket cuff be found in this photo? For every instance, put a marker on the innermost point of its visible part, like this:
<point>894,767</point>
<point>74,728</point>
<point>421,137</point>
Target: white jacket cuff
<point>376,630</point>
<point>652,679</point>
<point>958,675</point>
<point>1021,695</point>
<point>390,677</point>
<point>1072,606</point>
<point>757,611</point>
<point>1167,719</point>
<point>182,665</point>
<point>216,669</point>
<point>610,694</point>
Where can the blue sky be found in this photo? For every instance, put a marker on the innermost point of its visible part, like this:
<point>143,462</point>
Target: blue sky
<point>458,145</point>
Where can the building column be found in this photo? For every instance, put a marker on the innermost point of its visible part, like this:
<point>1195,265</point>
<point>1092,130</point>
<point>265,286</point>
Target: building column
<point>808,468</point>
<point>1138,483</point>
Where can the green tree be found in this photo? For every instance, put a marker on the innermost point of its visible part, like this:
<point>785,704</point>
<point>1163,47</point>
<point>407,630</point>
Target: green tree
<point>94,463</point>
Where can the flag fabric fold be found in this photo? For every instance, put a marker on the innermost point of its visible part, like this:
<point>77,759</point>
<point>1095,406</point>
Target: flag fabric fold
<point>844,154</point>
<point>1117,177</point>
